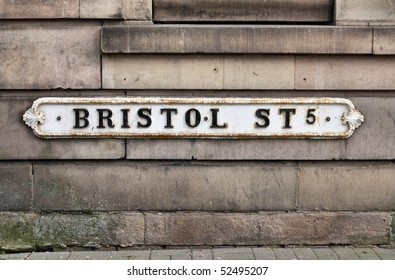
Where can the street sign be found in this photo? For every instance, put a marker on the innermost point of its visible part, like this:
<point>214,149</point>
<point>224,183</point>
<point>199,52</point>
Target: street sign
<point>216,118</point>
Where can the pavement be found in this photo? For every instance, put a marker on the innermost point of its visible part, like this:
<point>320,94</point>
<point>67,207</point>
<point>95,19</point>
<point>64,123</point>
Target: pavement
<point>237,253</point>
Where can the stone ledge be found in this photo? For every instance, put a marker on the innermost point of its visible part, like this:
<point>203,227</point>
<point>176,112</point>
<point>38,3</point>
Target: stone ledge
<point>268,229</point>
<point>245,39</point>
<point>169,186</point>
<point>243,10</point>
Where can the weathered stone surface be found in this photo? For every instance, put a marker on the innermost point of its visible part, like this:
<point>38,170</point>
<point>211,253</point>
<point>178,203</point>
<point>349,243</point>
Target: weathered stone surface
<point>197,72</point>
<point>163,72</point>
<point>17,231</point>
<point>244,10</point>
<point>347,186</point>
<point>375,139</point>
<point>140,10</point>
<point>94,230</point>
<point>175,149</point>
<point>236,39</point>
<point>268,149</point>
<point>267,228</point>
<point>370,12</point>
<point>165,187</point>
<point>345,72</point>
<point>259,72</point>
<point>38,9</point>
<point>232,254</point>
<point>29,146</point>
<point>47,58</point>
<point>384,40</point>
<point>16,182</point>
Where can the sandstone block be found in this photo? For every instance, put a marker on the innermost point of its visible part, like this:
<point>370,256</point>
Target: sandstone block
<point>175,149</point>
<point>39,9</point>
<point>140,10</point>
<point>16,183</point>
<point>50,57</point>
<point>375,139</point>
<point>243,39</point>
<point>384,41</point>
<point>347,186</point>
<point>345,72</point>
<point>268,228</point>
<point>243,10</point>
<point>197,72</point>
<point>17,231</point>
<point>94,230</point>
<point>29,146</point>
<point>375,12</point>
<point>165,187</point>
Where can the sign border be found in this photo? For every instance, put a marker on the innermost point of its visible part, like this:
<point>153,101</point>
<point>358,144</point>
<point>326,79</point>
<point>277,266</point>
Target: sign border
<point>353,118</point>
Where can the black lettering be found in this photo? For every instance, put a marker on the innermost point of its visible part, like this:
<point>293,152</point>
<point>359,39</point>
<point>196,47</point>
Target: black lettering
<point>168,116</point>
<point>188,118</point>
<point>145,114</point>
<point>264,115</point>
<point>79,118</point>
<point>288,113</point>
<point>103,117</point>
<point>214,123</point>
<point>125,118</point>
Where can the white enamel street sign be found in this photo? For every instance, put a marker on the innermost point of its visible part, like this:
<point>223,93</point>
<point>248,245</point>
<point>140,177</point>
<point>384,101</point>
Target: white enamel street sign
<point>136,117</point>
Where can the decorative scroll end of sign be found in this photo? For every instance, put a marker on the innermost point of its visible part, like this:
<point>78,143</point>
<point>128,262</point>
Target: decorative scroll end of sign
<point>32,118</point>
<point>353,118</point>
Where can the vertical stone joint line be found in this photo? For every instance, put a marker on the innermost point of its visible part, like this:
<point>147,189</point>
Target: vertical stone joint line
<point>297,198</point>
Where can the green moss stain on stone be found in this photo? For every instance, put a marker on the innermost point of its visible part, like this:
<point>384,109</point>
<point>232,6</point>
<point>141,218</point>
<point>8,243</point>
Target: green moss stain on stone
<point>17,232</point>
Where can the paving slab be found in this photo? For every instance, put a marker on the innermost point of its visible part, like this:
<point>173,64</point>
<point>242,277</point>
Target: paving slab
<point>185,254</point>
<point>89,255</point>
<point>366,254</point>
<point>232,254</point>
<point>325,254</point>
<point>345,253</point>
<point>130,255</point>
<point>305,254</point>
<point>20,256</point>
<point>49,256</point>
<point>384,254</point>
<point>202,254</point>
<point>263,254</point>
<point>284,254</point>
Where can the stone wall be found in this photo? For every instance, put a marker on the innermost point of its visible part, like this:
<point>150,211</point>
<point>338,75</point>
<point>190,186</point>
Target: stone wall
<point>177,192</point>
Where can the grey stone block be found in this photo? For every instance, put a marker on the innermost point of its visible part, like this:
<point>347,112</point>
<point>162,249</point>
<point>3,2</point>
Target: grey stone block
<point>19,142</point>
<point>269,149</point>
<point>345,72</point>
<point>16,186</point>
<point>165,186</point>
<point>61,230</point>
<point>375,139</point>
<point>49,256</point>
<point>375,12</point>
<point>198,72</point>
<point>384,41</point>
<point>175,149</point>
<point>50,57</point>
<point>384,254</point>
<point>243,10</point>
<point>267,228</point>
<point>347,186</point>
<point>89,255</point>
<point>39,9</point>
<point>140,10</point>
<point>17,231</point>
<point>242,39</point>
